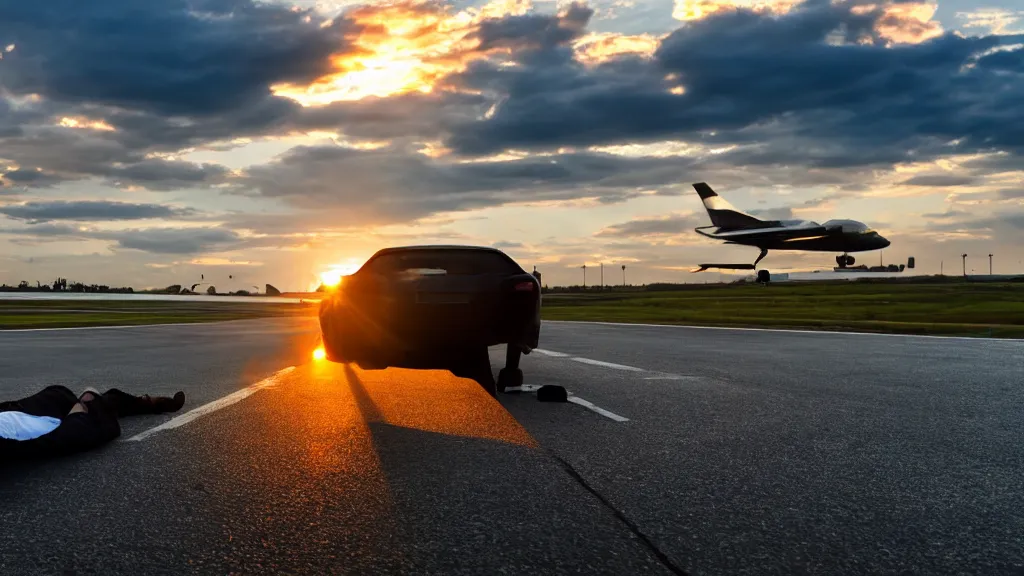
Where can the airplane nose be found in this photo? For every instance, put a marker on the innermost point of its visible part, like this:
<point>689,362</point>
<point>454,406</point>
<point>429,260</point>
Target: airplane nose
<point>884,242</point>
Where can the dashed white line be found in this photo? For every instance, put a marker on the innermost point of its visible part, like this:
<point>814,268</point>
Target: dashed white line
<point>205,409</point>
<point>598,409</point>
<point>607,364</point>
<point>125,326</point>
<point>783,330</point>
<point>551,353</point>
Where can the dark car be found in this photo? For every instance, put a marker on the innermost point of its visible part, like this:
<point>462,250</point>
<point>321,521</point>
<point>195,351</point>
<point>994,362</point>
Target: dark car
<point>434,307</point>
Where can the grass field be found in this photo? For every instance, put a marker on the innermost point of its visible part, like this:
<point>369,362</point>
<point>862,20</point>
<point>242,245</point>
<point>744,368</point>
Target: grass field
<point>962,309</point>
<point>76,313</point>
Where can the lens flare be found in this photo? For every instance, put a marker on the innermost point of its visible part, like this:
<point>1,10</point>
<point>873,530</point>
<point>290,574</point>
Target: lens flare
<point>319,353</point>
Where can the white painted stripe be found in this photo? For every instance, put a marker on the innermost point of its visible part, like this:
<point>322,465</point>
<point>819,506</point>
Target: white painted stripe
<point>551,353</point>
<point>784,330</point>
<point>598,409</point>
<point>523,388</point>
<point>214,406</point>
<point>607,364</point>
<point>672,377</point>
<point>123,326</point>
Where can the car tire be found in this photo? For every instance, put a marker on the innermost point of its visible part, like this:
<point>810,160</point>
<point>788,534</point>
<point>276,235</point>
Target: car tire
<point>509,378</point>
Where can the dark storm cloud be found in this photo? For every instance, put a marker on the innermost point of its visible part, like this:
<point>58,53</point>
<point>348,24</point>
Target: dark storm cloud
<point>832,105</point>
<point>940,180</point>
<point>86,210</point>
<point>173,240</point>
<point>171,57</point>
<point>667,225</point>
<point>165,75</point>
<point>534,31</point>
<point>33,178</point>
<point>152,240</point>
<point>394,184</point>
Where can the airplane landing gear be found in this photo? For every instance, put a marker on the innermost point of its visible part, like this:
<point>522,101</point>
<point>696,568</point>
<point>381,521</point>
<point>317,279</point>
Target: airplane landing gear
<point>845,260</point>
<point>764,252</point>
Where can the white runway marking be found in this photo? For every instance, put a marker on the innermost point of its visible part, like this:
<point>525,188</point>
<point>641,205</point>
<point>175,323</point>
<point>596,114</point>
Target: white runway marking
<point>672,377</point>
<point>205,409</point>
<point>523,388</point>
<point>607,364</point>
<point>123,326</point>
<point>784,330</point>
<point>551,353</point>
<point>598,409</point>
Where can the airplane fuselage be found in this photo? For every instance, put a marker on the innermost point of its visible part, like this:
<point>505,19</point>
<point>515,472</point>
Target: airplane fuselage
<point>734,227</point>
<point>842,242</point>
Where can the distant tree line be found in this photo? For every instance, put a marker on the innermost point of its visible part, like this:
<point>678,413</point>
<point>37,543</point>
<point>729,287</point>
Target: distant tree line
<point>62,285</point>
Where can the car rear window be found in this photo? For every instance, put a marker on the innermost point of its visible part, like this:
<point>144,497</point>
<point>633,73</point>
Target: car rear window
<point>448,262</point>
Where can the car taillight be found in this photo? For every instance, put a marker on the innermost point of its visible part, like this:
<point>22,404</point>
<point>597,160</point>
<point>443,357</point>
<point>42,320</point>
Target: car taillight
<point>524,287</point>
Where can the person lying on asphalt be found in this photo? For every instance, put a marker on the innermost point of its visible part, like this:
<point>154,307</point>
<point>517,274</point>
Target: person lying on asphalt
<point>55,422</point>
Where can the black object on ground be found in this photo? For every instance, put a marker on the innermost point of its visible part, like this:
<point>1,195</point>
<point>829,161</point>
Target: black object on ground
<point>552,393</point>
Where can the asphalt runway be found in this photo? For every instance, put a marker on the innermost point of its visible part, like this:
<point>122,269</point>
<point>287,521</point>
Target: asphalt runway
<point>685,450</point>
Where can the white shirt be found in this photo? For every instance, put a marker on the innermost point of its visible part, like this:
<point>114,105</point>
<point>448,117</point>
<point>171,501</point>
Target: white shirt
<point>21,426</point>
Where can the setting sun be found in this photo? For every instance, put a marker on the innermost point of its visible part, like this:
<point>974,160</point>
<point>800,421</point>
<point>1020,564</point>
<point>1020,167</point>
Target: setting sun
<point>319,353</point>
<point>335,273</point>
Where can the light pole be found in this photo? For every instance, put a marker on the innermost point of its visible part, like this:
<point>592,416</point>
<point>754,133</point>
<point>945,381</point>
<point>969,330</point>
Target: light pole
<point>623,275</point>
<point>964,256</point>
<point>989,264</point>
<point>602,275</point>
<point>584,276</point>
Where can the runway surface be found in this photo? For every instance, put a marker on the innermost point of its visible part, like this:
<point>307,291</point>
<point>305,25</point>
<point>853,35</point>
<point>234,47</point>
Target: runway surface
<point>684,450</point>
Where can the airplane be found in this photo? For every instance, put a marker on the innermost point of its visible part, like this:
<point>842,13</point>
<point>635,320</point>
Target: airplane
<point>735,227</point>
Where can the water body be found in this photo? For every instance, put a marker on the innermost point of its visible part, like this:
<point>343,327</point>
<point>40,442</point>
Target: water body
<point>162,297</point>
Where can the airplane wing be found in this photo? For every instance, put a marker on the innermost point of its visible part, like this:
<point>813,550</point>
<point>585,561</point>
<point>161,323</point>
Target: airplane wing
<point>780,233</point>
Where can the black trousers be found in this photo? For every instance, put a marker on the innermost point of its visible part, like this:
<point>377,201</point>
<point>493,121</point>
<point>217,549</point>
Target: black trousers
<point>77,432</point>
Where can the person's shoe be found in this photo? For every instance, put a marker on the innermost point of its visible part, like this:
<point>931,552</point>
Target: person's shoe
<point>164,404</point>
<point>161,404</point>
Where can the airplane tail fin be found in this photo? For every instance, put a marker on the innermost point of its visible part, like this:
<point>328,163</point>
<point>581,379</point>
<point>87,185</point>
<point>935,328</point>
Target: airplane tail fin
<point>723,214</point>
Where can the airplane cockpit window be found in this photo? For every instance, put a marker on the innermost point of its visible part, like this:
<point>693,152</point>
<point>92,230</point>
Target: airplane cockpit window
<point>849,226</point>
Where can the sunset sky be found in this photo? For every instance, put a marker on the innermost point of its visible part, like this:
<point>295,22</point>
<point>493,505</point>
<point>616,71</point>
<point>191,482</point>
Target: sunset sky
<point>146,143</point>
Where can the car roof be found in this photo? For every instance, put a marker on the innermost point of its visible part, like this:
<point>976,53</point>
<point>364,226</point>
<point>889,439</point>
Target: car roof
<point>446,247</point>
<point>437,247</point>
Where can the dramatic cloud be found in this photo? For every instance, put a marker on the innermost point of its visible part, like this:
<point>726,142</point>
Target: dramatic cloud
<point>86,210</point>
<point>940,180</point>
<point>819,84</point>
<point>170,57</point>
<point>799,107</point>
<point>152,240</point>
<point>392,185</point>
<point>670,225</point>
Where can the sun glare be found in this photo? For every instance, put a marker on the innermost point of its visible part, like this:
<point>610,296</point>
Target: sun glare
<point>335,273</point>
<point>400,48</point>
<point>319,353</point>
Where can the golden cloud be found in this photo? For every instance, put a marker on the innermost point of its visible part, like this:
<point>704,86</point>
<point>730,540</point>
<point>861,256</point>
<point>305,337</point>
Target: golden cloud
<point>909,23</point>
<point>687,10</point>
<point>83,123</point>
<point>599,47</point>
<point>401,47</point>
